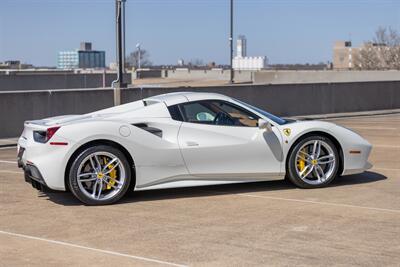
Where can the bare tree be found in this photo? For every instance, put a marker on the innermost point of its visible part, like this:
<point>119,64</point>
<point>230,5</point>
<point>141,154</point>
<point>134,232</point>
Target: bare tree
<point>133,59</point>
<point>367,58</point>
<point>391,52</point>
<point>383,52</point>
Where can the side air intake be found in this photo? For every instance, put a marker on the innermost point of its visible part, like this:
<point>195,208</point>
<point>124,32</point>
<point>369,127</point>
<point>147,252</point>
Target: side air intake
<point>152,130</point>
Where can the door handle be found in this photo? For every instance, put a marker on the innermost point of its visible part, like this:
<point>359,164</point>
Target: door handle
<point>191,143</point>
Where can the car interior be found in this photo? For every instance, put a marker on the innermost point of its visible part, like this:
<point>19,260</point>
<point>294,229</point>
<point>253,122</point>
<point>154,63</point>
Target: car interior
<point>216,112</point>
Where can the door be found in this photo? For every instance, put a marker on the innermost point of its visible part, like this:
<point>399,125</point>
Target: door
<point>221,140</point>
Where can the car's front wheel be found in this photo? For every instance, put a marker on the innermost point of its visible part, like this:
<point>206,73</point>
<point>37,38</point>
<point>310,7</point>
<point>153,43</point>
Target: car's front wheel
<point>100,175</point>
<point>313,162</point>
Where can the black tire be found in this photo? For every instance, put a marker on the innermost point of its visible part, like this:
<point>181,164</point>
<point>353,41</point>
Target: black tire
<point>73,182</point>
<point>291,172</point>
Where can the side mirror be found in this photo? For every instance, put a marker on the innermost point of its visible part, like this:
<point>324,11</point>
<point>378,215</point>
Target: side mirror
<point>264,125</point>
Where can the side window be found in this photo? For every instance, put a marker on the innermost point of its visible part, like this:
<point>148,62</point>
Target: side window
<point>198,112</point>
<point>240,116</point>
<point>214,112</point>
<point>175,113</point>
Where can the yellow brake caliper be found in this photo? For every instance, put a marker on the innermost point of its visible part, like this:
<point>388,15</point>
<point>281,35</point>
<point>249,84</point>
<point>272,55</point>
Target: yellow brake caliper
<point>301,163</point>
<point>113,175</point>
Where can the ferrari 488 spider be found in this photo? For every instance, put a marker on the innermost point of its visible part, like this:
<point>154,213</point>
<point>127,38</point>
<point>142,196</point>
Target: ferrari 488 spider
<point>179,140</point>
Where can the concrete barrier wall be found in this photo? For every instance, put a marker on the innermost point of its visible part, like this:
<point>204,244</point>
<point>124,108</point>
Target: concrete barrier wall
<point>319,76</point>
<point>213,74</point>
<point>148,73</point>
<point>38,81</point>
<point>283,100</point>
<point>275,76</point>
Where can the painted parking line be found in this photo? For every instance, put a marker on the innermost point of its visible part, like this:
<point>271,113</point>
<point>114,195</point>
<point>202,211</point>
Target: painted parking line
<point>385,169</point>
<point>385,146</point>
<point>16,172</point>
<point>322,203</point>
<point>9,147</point>
<point>391,123</point>
<point>366,117</point>
<point>371,128</point>
<point>368,123</point>
<point>90,248</point>
<point>312,202</point>
<point>367,120</point>
<point>8,162</point>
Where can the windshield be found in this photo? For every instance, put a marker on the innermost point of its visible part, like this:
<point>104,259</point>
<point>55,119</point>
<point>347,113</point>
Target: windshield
<point>270,116</point>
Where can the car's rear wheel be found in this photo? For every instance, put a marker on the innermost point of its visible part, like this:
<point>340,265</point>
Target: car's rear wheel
<point>313,162</point>
<point>100,175</point>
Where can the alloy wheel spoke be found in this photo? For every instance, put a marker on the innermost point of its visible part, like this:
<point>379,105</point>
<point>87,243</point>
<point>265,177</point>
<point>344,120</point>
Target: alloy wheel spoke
<point>326,159</point>
<point>110,163</point>
<point>88,180</point>
<point>113,186</point>
<point>100,189</point>
<point>306,171</point>
<point>92,164</point>
<point>316,149</point>
<point>306,156</point>
<point>113,168</point>
<point>94,188</point>
<point>109,179</point>
<point>118,182</point>
<point>302,158</point>
<point>321,173</point>
<point>98,162</point>
<point>317,174</point>
<point>86,174</point>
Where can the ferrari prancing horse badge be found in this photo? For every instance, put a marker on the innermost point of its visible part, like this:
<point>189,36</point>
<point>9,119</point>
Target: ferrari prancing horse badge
<point>287,131</point>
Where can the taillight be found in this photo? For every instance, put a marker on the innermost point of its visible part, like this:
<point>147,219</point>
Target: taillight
<point>44,136</point>
<point>50,132</point>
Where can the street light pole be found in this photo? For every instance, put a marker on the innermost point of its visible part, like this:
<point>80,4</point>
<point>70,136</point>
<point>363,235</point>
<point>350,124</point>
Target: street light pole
<point>138,47</point>
<point>120,32</point>
<point>231,46</point>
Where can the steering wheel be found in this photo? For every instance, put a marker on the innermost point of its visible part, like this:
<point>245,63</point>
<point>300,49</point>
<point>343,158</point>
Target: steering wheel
<point>223,119</point>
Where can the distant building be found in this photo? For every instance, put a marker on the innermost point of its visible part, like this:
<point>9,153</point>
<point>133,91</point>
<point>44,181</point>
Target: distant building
<point>84,58</point>
<point>347,57</point>
<point>14,65</point>
<point>113,66</point>
<point>242,61</point>
<point>85,46</point>
<point>181,62</point>
<point>249,63</point>
<point>241,46</point>
<point>344,55</point>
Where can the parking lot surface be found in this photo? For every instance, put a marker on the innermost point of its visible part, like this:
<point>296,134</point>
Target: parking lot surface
<point>354,221</point>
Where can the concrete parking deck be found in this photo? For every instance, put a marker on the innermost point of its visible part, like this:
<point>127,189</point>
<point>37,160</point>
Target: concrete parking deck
<point>354,221</point>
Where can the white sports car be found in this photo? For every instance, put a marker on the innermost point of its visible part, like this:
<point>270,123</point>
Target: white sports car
<point>180,140</point>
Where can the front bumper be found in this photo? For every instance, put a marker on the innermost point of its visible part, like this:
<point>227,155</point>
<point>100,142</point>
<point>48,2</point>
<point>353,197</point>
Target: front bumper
<point>357,162</point>
<point>366,167</point>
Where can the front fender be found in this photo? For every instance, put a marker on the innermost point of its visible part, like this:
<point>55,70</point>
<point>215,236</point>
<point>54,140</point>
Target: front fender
<point>293,132</point>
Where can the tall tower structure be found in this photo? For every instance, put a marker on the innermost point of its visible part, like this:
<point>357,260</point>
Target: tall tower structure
<point>242,61</point>
<point>241,46</point>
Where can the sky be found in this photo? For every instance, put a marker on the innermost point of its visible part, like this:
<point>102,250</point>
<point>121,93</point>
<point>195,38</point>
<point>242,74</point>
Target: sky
<point>286,31</point>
